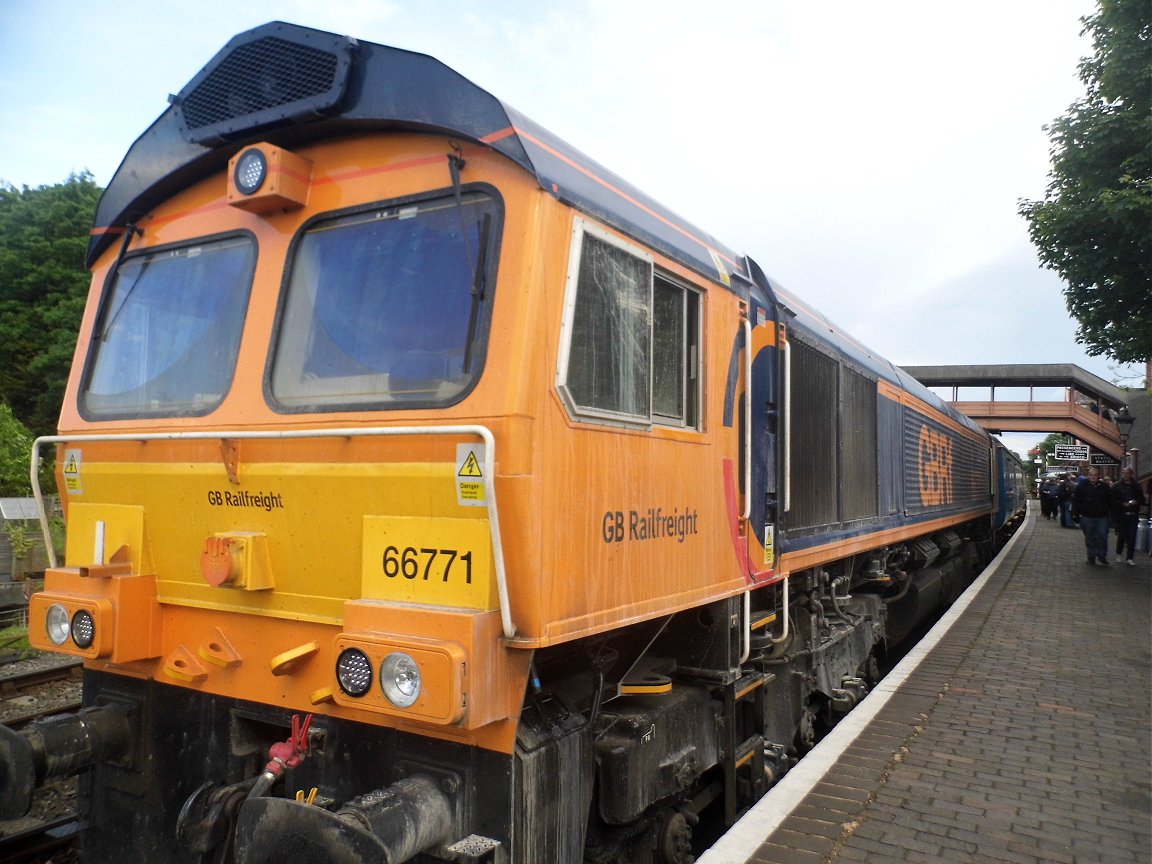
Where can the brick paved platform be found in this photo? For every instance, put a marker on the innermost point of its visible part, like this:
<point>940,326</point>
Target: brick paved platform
<point>1023,735</point>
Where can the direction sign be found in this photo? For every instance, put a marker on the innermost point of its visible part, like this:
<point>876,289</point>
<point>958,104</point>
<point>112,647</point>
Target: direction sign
<point>1071,452</point>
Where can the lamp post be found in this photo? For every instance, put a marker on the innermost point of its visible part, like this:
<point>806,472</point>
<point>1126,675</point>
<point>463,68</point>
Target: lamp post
<point>1123,421</point>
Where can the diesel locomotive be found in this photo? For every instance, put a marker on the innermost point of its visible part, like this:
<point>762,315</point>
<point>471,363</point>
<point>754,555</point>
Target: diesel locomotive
<point>434,494</point>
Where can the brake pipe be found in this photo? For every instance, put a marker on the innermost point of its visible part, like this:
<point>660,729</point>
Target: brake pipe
<point>283,755</point>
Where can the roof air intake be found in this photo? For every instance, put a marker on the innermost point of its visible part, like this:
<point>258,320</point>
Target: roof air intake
<point>260,80</point>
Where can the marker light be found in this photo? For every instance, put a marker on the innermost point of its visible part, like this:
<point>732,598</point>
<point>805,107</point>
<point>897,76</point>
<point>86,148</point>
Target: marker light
<point>400,678</point>
<point>251,169</point>
<point>354,672</point>
<point>56,624</point>
<point>83,629</point>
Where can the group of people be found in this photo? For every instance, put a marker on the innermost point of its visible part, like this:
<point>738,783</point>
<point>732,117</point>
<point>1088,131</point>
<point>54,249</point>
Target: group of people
<point>1098,505</point>
<point>1056,498</point>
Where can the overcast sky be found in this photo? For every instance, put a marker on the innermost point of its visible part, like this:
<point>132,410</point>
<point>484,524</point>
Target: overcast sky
<point>868,155</point>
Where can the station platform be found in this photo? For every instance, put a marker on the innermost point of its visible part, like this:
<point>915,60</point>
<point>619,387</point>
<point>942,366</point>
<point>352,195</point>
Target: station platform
<point>1019,730</point>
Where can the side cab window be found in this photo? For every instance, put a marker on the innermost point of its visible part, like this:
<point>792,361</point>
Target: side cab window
<point>630,351</point>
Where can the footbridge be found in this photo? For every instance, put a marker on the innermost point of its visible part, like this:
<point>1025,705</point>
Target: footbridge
<point>1058,397</point>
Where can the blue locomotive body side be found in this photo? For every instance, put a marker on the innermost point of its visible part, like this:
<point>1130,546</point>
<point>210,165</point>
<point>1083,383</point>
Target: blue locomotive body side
<point>872,456</point>
<point>1011,488</point>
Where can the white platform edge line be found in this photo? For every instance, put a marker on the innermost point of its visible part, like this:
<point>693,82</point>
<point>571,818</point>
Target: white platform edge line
<point>754,827</point>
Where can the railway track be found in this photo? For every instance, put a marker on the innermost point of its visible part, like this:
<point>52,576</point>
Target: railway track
<point>41,841</point>
<point>34,691</point>
<point>30,690</point>
<point>23,678</point>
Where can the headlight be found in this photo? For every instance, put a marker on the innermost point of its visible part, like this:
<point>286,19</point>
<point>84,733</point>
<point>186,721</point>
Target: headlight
<point>57,624</point>
<point>354,672</point>
<point>251,169</point>
<point>83,629</point>
<point>400,678</point>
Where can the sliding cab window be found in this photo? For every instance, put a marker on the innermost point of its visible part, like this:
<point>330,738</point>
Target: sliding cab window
<point>388,307</point>
<point>631,349</point>
<point>168,332</point>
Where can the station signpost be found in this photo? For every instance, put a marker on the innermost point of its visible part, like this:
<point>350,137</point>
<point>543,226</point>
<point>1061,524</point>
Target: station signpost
<point>1071,452</point>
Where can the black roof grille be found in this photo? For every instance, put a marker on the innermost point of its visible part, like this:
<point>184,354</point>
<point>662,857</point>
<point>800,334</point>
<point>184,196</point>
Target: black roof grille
<point>260,83</point>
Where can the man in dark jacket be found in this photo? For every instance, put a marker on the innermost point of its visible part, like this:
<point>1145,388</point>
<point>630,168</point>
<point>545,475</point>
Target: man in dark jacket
<point>1127,499</point>
<point>1092,501</point>
<point>1049,497</point>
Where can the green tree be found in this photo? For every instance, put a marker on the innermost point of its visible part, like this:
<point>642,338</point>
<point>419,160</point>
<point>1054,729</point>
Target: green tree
<point>1094,226</point>
<point>1047,447</point>
<point>15,454</point>
<point>43,285</point>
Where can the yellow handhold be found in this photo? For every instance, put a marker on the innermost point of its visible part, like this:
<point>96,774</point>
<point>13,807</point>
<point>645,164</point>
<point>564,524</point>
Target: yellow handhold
<point>219,651</point>
<point>182,665</point>
<point>324,694</point>
<point>291,660</point>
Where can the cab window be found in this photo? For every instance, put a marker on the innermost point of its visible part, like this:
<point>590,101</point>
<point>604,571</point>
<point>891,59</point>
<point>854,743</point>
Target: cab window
<point>631,349</point>
<point>167,337</point>
<point>387,307</point>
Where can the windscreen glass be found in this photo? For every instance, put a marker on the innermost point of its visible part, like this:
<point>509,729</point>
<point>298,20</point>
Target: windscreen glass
<point>387,307</point>
<point>169,331</point>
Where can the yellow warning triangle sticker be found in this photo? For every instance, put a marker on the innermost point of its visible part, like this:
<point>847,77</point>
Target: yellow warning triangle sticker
<point>70,467</point>
<point>470,468</point>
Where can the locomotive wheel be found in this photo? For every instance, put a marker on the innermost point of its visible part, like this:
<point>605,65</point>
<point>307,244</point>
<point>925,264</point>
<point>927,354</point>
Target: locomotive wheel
<point>674,844</point>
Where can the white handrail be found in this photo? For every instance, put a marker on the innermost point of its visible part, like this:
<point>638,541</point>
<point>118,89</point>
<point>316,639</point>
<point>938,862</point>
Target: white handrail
<point>747,419</point>
<point>787,426</point>
<point>746,641</point>
<point>482,432</point>
<point>746,647</point>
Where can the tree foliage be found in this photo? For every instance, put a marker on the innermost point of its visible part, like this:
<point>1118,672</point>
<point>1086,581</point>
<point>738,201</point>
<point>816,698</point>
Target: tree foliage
<point>1047,447</point>
<point>43,284</point>
<point>15,453</point>
<point>1094,226</point>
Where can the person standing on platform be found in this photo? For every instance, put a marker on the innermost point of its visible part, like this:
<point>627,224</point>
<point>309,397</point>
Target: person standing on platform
<point>1092,502</point>
<point>1127,498</point>
<point>1049,499</point>
<point>1064,500</point>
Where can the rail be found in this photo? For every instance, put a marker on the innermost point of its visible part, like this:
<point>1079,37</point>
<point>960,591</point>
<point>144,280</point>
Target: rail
<point>37,841</point>
<point>482,432</point>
